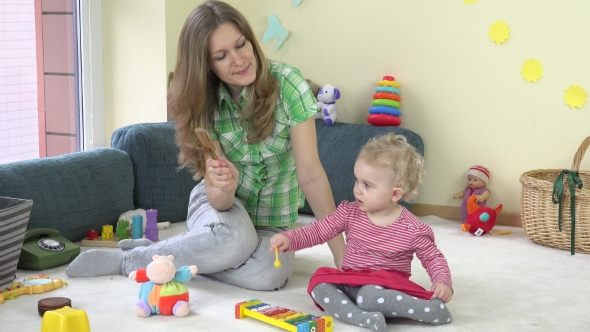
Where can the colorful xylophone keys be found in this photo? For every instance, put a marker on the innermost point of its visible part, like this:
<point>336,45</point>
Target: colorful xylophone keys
<point>285,318</point>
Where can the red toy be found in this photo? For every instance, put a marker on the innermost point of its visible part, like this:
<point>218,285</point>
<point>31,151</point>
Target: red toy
<point>480,219</point>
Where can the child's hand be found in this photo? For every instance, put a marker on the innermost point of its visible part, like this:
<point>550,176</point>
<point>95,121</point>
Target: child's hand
<point>280,241</point>
<point>441,292</point>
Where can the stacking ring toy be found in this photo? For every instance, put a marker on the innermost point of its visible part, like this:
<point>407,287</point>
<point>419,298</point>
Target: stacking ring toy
<point>385,102</point>
<point>385,110</point>
<point>387,95</point>
<point>393,84</point>
<point>384,120</point>
<point>387,89</point>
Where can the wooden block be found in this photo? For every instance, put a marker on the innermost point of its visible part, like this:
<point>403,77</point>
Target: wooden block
<point>99,242</point>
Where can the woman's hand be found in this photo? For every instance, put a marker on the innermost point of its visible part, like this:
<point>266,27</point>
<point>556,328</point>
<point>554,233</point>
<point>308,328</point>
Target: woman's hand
<point>222,174</point>
<point>442,292</point>
<point>280,241</point>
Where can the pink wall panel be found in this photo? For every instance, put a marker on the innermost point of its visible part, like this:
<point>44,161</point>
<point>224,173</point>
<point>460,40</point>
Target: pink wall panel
<point>58,47</point>
<point>58,145</point>
<point>40,80</point>
<point>57,6</point>
<point>60,104</point>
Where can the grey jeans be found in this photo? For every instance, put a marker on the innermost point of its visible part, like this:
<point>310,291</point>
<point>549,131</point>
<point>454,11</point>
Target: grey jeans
<point>224,245</point>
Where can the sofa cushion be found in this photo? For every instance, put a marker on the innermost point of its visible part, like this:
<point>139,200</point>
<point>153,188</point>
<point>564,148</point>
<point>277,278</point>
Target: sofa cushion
<point>338,146</point>
<point>73,193</point>
<point>159,184</point>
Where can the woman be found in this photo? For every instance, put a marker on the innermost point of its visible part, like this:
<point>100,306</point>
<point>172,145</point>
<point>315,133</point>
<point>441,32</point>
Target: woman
<point>260,116</point>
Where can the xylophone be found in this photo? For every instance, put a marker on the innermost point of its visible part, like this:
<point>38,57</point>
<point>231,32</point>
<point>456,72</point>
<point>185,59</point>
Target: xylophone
<point>287,319</point>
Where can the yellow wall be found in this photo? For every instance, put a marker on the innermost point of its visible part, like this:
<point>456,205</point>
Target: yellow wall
<point>461,92</point>
<point>134,42</point>
<point>176,13</point>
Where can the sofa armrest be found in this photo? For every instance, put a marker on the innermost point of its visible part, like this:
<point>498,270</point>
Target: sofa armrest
<point>159,184</point>
<point>73,193</point>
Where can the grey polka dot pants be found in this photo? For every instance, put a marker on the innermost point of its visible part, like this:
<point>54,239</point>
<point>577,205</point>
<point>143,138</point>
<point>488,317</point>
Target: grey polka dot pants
<point>392,303</point>
<point>333,300</point>
<point>371,304</point>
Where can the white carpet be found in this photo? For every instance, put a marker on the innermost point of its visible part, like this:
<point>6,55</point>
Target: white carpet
<point>502,283</point>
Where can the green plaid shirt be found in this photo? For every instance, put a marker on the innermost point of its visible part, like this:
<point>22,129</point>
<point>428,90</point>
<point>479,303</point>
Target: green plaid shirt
<point>267,185</point>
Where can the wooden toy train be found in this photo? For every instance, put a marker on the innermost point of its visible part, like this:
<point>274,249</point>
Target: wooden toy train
<point>287,319</point>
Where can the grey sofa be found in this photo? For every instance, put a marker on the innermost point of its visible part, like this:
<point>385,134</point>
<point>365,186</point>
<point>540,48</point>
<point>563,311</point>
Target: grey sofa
<point>77,192</point>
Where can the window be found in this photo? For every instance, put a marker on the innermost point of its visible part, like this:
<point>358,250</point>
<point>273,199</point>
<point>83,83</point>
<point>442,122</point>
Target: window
<point>19,137</point>
<point>51,87</point>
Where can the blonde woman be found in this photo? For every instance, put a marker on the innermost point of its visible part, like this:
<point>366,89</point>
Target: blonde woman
<point>260,116</point>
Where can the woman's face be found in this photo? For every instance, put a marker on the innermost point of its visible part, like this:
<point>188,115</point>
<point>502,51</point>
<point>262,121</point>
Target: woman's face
<point>231,57</point>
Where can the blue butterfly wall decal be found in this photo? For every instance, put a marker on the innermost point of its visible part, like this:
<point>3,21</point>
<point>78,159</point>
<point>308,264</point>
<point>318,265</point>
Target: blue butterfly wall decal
<point>275,30</point>
<point>296,3</point>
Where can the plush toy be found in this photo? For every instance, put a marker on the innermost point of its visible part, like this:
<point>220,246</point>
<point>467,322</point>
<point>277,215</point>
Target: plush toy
<point>163,291</point>
<point>480,219</point>
<point>327,104</point>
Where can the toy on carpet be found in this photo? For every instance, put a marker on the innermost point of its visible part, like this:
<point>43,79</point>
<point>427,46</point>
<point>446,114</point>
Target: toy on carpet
<point>52,303</point>
<point>163,291</point>
<point>481,219</point>
<point>287,319</point>
<point>477,179</point>
<point>37,284</point>
<point>65,319</point>
<point>327,104</point>
<point>128,216</point>
<point>131,224</point>
<point>150,229</point>
<point>385,109</point>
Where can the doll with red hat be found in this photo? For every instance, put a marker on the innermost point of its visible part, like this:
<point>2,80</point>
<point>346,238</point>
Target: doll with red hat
<point>477,179</point>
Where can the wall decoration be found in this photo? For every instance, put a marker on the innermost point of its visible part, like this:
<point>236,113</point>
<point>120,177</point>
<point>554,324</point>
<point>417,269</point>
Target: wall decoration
<point>575,96</point>
<point>275,30</point>
<point>499,32</point>
<point>298,2</point>
<point>470,1</point>
<point>532,70</point>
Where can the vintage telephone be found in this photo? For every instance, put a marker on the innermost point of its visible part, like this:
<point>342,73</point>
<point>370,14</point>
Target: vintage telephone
<point>44,248</point>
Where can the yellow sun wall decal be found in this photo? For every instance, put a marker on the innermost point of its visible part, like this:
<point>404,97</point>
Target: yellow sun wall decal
<point>499,32</point>
<point>531,70</point>
<point>575,96</point>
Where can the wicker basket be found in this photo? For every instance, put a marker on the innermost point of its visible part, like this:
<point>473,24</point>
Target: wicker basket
<point>540,215</point>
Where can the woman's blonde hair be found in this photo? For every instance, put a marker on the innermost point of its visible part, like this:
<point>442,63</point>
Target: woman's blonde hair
<point>194,89</point>
<point>394,152</point>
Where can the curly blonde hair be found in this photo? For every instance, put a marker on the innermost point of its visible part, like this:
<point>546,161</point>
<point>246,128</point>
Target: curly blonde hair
<point>394,152</point>
<point>194,89</point>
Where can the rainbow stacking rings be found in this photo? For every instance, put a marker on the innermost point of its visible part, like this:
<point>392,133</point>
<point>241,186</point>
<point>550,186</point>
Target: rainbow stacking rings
<point>385,107</point>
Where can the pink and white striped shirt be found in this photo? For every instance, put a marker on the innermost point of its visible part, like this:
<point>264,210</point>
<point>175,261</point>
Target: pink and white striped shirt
<point>372,247</point>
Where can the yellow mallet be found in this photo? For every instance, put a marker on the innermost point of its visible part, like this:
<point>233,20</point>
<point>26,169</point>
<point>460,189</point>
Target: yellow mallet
<point>277,261</point>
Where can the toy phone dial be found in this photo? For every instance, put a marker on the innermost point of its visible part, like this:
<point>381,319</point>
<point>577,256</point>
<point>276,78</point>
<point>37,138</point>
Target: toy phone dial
<point>44,248</point>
